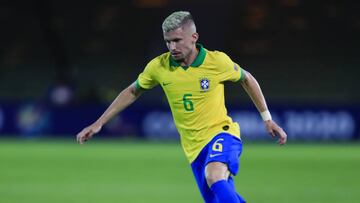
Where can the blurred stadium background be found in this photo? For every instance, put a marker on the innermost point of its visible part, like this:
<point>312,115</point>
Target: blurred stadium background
<point>63,62</point>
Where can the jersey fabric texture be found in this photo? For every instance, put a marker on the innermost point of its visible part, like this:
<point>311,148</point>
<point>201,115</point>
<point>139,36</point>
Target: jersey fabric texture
<point>195,95</point>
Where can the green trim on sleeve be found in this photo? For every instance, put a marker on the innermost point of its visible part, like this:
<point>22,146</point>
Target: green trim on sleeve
<point>242,75</point>
<point>138,85</point>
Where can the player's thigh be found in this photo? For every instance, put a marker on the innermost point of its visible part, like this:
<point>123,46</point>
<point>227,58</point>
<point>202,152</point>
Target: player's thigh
<point>216,171</point>
<point>223,155</point>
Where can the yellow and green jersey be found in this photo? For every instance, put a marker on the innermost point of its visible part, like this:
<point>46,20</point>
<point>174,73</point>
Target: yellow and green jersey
<point>195,95</point>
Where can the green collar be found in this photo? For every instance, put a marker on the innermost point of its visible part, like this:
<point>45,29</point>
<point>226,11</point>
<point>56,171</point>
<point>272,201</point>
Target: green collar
<point>198,60</point>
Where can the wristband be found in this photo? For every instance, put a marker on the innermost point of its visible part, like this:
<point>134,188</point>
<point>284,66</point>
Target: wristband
<point>265,115</point>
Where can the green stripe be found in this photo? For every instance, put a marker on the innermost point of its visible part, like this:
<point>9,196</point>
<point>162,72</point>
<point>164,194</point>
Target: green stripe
<point>200,57</point>
<point>242,74</point>
<point>138,85</point>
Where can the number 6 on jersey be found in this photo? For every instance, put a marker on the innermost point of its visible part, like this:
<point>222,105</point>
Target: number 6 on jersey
<point>188,104</point>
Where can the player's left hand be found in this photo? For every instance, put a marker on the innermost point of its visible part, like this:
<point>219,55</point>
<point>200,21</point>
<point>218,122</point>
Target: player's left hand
<point>274,130</point>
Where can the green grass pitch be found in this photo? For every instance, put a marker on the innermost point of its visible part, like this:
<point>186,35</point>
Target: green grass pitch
<point>141,172</point>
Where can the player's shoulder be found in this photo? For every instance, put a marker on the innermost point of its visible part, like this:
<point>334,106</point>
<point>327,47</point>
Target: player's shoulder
<point>218,57</point>
<point>161,61</point>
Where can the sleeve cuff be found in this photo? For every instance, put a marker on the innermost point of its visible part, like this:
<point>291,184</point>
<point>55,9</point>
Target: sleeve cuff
<point>242,75</point>
<point>138,86</point>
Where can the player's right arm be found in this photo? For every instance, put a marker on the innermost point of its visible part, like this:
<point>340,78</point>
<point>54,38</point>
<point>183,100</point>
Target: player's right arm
<point>123,100</point>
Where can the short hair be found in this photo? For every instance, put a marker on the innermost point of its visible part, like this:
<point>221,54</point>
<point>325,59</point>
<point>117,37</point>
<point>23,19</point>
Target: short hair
<point>176,20</point>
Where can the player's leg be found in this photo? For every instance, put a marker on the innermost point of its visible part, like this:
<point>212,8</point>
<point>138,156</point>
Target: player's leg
<point>223,160</point>
<point>198,168</point>
<point>217,174</point>
<point>231,182</point>
<point>199,174</point>
<point>231,148</point>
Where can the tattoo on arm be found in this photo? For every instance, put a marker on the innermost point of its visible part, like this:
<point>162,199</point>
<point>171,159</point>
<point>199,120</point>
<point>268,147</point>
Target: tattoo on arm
<point>135,91</point>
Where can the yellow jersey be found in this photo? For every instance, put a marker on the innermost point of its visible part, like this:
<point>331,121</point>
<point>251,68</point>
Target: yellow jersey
<point>195,95</point>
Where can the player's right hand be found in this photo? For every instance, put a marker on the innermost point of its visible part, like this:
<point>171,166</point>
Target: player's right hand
<point>87,133</point>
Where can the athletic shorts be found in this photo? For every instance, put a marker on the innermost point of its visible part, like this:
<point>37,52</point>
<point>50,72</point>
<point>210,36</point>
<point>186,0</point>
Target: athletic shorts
<point>224,148</point>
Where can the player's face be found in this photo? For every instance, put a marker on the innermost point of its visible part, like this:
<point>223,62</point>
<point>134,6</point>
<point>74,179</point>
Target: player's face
<point>180,42</point>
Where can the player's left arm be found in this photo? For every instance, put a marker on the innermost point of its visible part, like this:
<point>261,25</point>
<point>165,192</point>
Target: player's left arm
<point>252,87</point>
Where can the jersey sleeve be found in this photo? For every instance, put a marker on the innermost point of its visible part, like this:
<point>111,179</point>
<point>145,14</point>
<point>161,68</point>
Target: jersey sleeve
<point>147,79</point>
<point>229,70</point>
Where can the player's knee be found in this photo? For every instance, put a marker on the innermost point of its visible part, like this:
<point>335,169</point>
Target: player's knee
<point>212,178</point>
<point>215,172</point>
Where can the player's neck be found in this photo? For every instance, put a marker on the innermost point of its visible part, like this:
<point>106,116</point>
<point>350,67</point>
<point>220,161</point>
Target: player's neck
<point>191,58</point>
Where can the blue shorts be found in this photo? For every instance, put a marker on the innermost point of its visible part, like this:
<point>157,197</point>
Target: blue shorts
<point>224,148</point>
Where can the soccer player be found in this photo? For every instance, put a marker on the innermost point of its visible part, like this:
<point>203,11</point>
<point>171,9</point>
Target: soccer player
<point>192,78</point>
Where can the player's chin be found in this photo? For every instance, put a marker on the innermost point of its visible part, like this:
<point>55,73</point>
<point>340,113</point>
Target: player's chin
<point>178,57</point>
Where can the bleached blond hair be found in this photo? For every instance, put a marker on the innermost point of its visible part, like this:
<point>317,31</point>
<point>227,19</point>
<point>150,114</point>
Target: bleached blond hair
<point>176,20</point>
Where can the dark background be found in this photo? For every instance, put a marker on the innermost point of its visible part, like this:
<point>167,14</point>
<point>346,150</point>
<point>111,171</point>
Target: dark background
<point>62,63</point>
<point>303,53</point>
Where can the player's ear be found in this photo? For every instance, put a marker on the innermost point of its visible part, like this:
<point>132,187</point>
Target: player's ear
<point>195,37</point>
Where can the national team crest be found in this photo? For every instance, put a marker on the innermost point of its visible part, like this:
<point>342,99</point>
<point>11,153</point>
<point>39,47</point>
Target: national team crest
<point>204,84</point>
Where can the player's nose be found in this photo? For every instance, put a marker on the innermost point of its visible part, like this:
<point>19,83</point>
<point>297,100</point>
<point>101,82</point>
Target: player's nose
<point>172,46</point>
